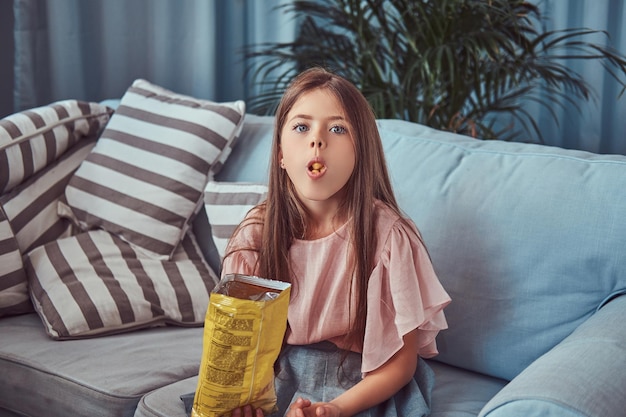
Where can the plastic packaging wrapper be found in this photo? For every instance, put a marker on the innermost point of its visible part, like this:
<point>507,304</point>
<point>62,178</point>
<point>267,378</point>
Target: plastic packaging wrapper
<point>243,334</point>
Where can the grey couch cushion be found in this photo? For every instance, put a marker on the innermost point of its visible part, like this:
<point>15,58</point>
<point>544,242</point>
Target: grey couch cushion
<point>166,402</point>
<point>103,376</point>
<point>457,393</point>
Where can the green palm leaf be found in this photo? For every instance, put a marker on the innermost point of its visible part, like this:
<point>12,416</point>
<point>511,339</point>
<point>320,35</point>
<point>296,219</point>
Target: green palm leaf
<point>456,65</point>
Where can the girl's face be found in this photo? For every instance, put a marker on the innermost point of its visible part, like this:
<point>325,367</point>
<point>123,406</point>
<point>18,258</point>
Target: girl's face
<point>317,148</point>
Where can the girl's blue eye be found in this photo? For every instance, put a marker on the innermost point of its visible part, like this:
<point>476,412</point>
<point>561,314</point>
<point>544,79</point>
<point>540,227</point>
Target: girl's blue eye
<point>338,129</point>
<point>300,128</point>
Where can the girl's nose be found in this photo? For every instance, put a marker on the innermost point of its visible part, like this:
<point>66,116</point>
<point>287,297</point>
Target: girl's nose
<point>316,143</point>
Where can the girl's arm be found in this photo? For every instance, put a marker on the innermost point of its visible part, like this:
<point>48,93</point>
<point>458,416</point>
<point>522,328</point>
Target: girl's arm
<point>377,386</point>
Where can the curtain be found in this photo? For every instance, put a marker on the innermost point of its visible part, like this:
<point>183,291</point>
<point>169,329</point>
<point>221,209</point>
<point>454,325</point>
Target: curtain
<point>93,50</point>
<point>599,125</point>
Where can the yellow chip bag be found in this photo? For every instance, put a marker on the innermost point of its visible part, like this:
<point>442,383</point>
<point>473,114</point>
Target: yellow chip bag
<point>243,333</point>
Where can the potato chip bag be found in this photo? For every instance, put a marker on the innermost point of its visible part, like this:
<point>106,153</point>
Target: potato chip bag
<point>243,334</point>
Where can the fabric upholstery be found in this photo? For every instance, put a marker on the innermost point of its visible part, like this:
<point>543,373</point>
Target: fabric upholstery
<point>32,139</point>
<point>595,384</point>
<point>95,284</point>
<point>104,376</point>
<point>248,162</point>
<point>28,218</point>
<point>457,393</point>
<point>527,239</point>
<point>13,285</point>
<point>249,159</point>
<point>226,205</point>
<point>144,180</point>
<point>31,143</point>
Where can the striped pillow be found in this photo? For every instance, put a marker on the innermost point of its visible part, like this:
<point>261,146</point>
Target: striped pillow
<point>226,205</point>
<point>32,139</point>
<point>144,180</point>
<point>95,284</point>
<point>28,218</point>
<point>13,294</point>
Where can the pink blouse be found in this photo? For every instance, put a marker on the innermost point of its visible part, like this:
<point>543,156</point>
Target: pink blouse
<point>403,294</point>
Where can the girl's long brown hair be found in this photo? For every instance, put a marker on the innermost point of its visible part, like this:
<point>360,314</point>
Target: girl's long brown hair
<point>283,216</point>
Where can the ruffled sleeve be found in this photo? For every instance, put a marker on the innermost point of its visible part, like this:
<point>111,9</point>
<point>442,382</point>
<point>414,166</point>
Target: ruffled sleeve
<point>403,294</point>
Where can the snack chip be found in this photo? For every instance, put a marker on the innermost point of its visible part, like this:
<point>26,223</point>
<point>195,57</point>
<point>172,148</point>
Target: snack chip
<point>243,334</point>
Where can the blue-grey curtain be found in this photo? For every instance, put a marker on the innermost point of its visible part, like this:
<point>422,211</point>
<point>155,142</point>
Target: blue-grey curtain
<point>600,125</point>
<point>93,50</point>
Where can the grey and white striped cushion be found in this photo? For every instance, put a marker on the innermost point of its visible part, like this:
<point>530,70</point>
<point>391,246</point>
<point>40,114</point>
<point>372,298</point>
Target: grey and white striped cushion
<point>13,293</point>
<point>28,218</point>
<point>144,180</point>
<point>226,205</point>
<point>95,284</point>
<point>32,139</point>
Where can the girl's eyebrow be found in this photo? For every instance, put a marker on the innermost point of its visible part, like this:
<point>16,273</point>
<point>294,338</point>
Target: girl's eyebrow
<point>308,117</point>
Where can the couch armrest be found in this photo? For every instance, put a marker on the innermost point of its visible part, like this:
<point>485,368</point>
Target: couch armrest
<point>581,376</point>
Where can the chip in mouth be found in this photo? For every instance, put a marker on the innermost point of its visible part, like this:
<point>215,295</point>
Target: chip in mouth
<point>316,167</point>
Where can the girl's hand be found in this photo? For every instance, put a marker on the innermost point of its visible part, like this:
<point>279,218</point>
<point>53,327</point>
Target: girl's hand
<point>246,411</point>
<point>298,407</point>
<point>303,408</point>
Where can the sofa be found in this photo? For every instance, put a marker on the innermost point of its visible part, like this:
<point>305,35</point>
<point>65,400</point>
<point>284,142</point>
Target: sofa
<point>528,240</point>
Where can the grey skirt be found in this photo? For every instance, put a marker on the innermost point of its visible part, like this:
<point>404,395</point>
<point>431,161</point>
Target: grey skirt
<point>313,372</point>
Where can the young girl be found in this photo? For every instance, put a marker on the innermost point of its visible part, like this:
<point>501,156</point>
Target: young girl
<point>366,303</point>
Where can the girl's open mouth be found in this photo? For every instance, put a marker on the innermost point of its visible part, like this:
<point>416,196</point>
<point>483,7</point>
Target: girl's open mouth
<point>316,167</point>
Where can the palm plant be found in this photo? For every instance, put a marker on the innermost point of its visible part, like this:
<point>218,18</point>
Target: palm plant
<point>451,64</point>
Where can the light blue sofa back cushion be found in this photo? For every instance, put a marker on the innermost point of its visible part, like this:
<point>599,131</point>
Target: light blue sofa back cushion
<point>249,160</point>
<point>528,240</point>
